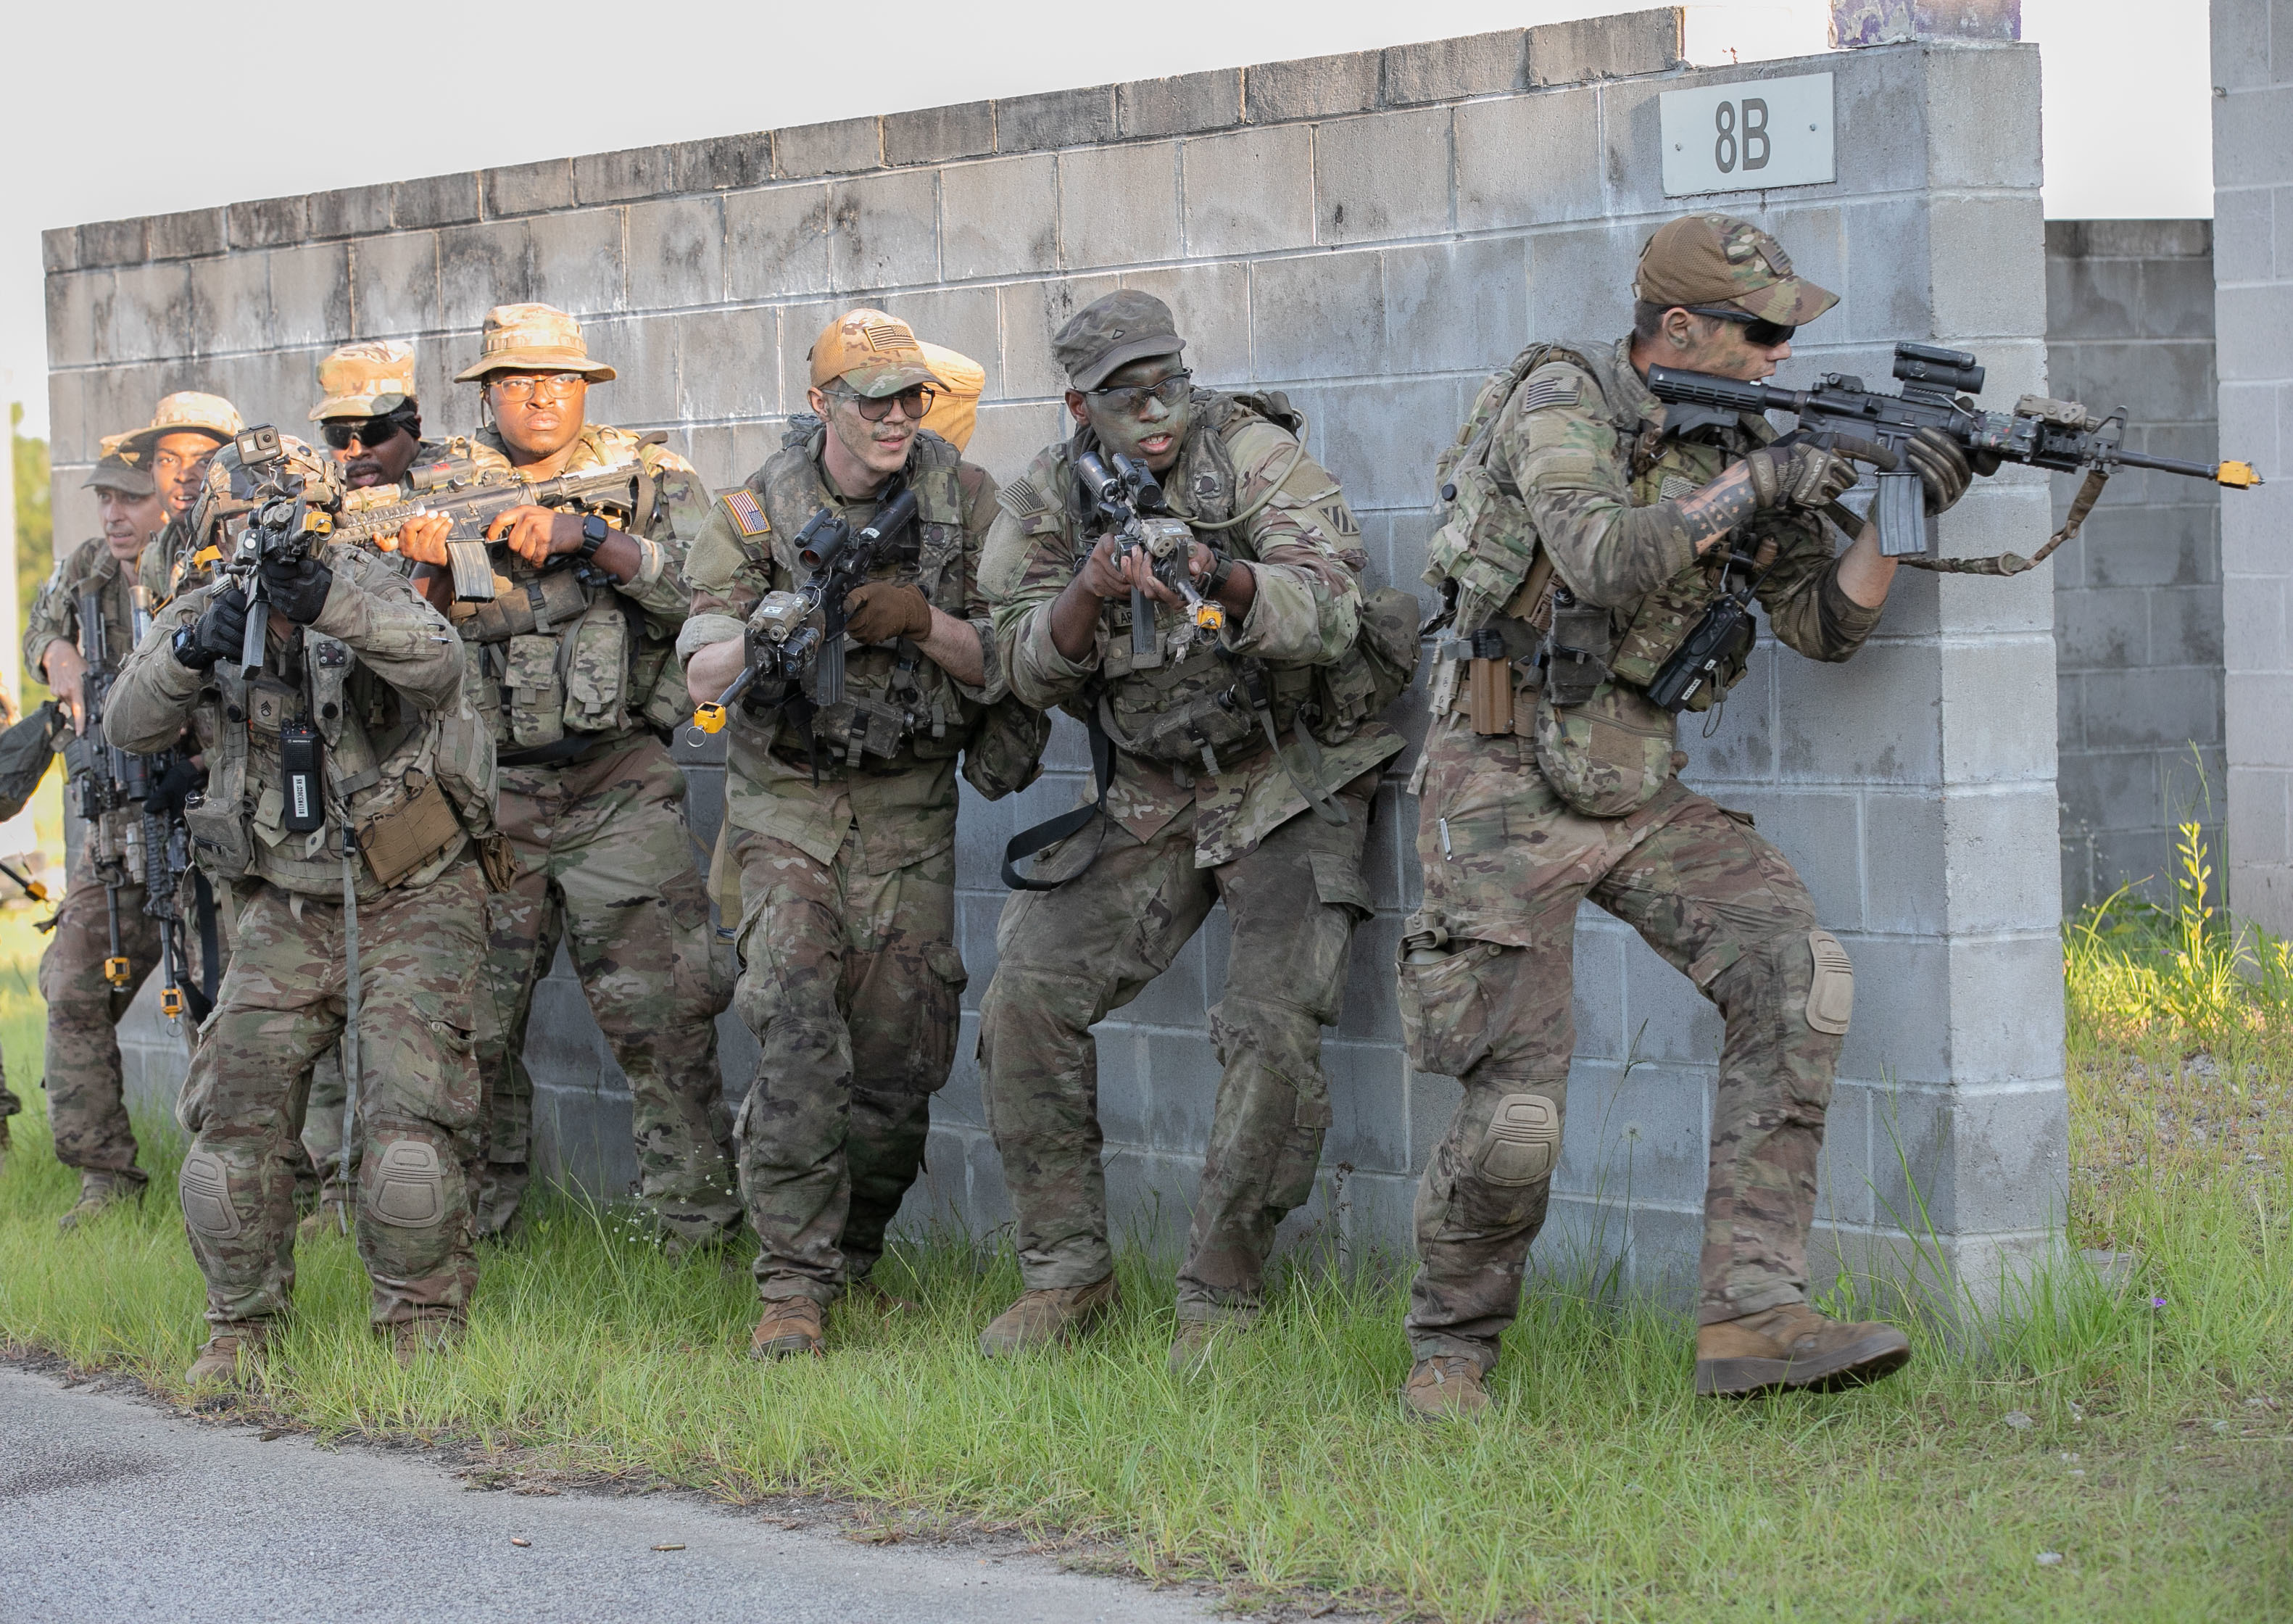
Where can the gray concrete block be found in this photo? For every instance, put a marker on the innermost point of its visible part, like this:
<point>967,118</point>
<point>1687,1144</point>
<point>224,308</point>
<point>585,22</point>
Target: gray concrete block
<point>529,189</point>
<point>999,218</point>
<point>676,253</point>
<point>60,248</point>
<point>577,260</point>
<point>150,310</point>
<point>2149,707</point>
<point>884,231</point>
<point>1312,87</point>
<point>644,353</point>
<point>268,223</point>
<point>2249,136</point>
<point>1604,47</point>
<point>1210,304</point>
<point>1449,70</point>
<point>1249,192</point>
<point>846,146</point>
<point>1978,1162</point>
<point>1579,283</point>
<point>1982,118</point>
<point>1384,440</point>
<point>1985,741</point>
<point>1119,206</point>
<point>111,242</point>
<point>437,200</point>
<point>1319,315</point>
<point>1637,1136</point>
<point>728,366</point>
<point>355,211</point>
<point>725,163</point>
<point>181,236</point>
<point>1382,177</point>
<point>1369,1126</point>
<point>936,134</point>
<point>229,301</point>
<point>2245,231</point>
<point>1994,868</point>
<point>1055,118</point>
<point>479,267</point>
<point>1180,106</point>
<point>615,177</point>
<point>1872,720</point>
<point>776,242</point>
<point>1529,161</point>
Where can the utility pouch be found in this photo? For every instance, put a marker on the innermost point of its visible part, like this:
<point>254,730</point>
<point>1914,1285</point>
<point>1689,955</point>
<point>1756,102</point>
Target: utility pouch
<point>597,672</point>
<point>1606,757</point>
<point>1576,650</point>
<point>306,808</point>
<point>217,824</point>
<point>401,840</point>
<point>535,692</point>
<point>1488,700</point>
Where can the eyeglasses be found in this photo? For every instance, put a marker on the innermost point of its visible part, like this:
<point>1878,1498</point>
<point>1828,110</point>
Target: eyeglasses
<point>912,402</point>
<point>1131,399</point>
<point>1763,334</point>
<point>526,386</point>
<point>372,432</point>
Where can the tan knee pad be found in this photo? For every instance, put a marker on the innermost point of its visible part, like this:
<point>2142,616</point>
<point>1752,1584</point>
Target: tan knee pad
<point>1831,985</point>
<point>408,1186</point>
<point>205,1187</point>
<point>1523,1140</point>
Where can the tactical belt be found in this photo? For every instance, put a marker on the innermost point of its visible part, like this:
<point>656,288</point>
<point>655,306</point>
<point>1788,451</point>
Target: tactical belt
<point>561,752</point>
<point>1033,843</point>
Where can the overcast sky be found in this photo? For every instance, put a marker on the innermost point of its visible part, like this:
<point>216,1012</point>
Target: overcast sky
<point>134,108</point>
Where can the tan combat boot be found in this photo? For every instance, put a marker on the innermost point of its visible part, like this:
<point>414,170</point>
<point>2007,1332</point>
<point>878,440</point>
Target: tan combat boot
<point>1199,1341</point>
<point>98,1191</point>
<point>788,1328</point>
<point>413,1340</point>
<point>229,1358</point>
<point>1040,1318</point>
<point>1445,1387</point>
<point>1794,1346</point>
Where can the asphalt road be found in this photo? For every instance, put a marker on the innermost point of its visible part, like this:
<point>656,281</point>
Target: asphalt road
<point>111,1508</point>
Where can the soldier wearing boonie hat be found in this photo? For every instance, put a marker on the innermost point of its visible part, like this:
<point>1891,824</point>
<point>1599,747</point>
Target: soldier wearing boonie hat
<point>840,819</point>
<point>592,804</point>
<point>86,1109</point>
<point>1545,773</point>
<point>175,447</point>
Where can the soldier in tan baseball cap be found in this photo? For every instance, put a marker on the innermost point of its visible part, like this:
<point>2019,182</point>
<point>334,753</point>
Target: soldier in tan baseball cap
<point>368,414</point>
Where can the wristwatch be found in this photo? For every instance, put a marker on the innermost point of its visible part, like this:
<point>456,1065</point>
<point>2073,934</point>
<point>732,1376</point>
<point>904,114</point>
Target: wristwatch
<point>1221,571</point>
<point>593,532</point>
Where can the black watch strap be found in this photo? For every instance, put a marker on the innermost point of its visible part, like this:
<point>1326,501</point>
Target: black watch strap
<point>593,532</point>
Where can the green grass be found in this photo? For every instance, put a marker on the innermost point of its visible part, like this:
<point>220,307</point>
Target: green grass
<point>2157,1457</point>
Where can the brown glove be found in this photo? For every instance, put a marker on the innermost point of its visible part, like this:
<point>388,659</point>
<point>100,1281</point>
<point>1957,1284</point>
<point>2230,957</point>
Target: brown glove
<point>881,610</point>
<point>1799,476</point>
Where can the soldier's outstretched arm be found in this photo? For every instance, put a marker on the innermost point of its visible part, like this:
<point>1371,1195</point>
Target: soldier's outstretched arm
<point>1024,566</point>
<point>1308,603</point>
<point>153,696</point>
<point>396,633</point>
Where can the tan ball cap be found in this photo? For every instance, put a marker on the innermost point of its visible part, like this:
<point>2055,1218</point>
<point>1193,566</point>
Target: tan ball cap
<point>365,381</point>
<point>875,354</point>
<point>532,338</point>
<point>185,412</point>
<point>1717,259</point>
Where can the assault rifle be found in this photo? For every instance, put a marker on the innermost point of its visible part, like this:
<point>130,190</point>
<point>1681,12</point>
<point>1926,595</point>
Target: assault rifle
<point>1130,503</point>
<point>2062,435</point>
<point>784,644</point>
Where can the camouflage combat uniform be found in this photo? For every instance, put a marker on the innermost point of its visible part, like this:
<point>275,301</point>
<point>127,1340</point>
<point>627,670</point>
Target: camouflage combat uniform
<point>850,979</point>
<point>595,809</point>
<point>409,763</point>
<point>1518,827</point>
<point>87,1110</point>
<point>1199,809</point>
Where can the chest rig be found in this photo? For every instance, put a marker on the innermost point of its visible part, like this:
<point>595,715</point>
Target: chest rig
<point>897,702</point>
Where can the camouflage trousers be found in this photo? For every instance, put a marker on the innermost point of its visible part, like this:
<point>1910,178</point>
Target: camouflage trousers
<point>852,983</point>
<point>282,1005</point>
<point>1506,865</point>
<point>1064,959</point>
<point>328,1098</point>
<point>87,1107</point>
<point>606,866</point>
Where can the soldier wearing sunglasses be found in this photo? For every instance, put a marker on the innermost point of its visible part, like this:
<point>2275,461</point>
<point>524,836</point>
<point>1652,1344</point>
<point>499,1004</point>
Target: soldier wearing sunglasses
<point>1586,536</point>
<point>368,416</point>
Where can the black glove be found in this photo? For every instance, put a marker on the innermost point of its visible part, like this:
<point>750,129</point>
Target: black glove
<point>1944,470</point>
<point>1799,476</point>
<point>170,788</point>
<point>220,632</point>
<point>298,589</point>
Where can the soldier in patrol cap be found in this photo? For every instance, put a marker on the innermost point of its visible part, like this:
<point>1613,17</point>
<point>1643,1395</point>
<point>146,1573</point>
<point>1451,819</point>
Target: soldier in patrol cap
<point>584,704</point>
<point>1586,535</point>
<point>86,1109</point>
<point>841,818</point>
<point>1236,763</point>
<point>174,448</point>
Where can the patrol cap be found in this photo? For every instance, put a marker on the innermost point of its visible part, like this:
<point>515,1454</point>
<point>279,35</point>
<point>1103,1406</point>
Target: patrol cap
<point>117,472</point>
<point>365,381</point>
<point>1717,259</point>
<point>875,354</point>
<point>187,411</point>
<point>1109,333</point>
<point>532,338</point>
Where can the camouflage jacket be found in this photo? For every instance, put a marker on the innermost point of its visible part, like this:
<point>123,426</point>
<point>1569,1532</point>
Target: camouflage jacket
<point>1304,548</point>
<point>404,759</point>
<point>54,615</point>
<point>601,665</point>
<point>901,795</point>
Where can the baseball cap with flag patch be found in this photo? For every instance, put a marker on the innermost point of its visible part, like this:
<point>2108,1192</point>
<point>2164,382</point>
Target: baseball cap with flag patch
<point>1717,259</point>
<point>875,354</point>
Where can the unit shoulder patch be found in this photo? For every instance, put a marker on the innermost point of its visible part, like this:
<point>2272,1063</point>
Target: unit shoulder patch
<point>747,515</point>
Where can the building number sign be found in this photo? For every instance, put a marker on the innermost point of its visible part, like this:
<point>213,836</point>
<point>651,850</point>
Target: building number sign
<point>1747,136</point>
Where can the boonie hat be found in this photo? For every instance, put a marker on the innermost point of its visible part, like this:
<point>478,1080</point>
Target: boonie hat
<point>875,354</point>
<point>365,381</point>
<point>187,411</point>
<point>532,338</point>
<point>1111,333</point>
<point>1717,259</point>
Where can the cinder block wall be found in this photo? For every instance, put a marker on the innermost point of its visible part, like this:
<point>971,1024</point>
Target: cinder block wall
<point>2253,312</point>
<point>1371,232</point>
<point>2137,593</point>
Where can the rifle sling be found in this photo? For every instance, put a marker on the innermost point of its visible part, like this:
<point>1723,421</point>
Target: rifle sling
<point>2089,492</point>
<point>1033,843</point>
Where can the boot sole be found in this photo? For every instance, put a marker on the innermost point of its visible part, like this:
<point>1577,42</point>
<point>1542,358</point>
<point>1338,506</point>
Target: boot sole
<point>1004,1347</point>
<point>788,1347</point>
<point>1853,1366</point>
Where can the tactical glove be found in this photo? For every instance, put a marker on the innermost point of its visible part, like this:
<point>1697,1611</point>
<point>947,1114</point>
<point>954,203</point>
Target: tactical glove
<point>219,633</point>
<point>169,790</point>
<point>881,610</point>
<point>1804,477</point>
<point>298,590</point>
<point>1944,470</point>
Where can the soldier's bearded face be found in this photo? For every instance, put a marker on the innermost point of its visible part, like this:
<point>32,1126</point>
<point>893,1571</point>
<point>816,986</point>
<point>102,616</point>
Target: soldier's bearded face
<point>179,464</point>
<point>129,522</point>
<point>540,417</point>
<point>1719,347</point>
<point>1140,424</point>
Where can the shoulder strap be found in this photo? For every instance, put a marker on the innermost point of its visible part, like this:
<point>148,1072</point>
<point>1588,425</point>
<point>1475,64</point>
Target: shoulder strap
<point>1033,843</point>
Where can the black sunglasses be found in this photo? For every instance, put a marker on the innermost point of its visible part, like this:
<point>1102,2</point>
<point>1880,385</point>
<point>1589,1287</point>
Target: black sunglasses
<point>369,432</point>
<point>1760,333</point>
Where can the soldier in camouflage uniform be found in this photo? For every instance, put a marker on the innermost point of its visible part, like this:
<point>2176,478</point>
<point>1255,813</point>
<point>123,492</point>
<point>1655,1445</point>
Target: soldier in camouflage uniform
<point>1198,803</point>
<point>402,817</point>
<point>583,703</point>
<point>1587,532</point>
<point>851,979</point>
<point>87,1110</point>
<point>177,446</point>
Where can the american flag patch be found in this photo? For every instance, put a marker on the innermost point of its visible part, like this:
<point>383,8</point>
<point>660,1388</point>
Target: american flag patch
<point>1559,390</point>
<point>742,504</point>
